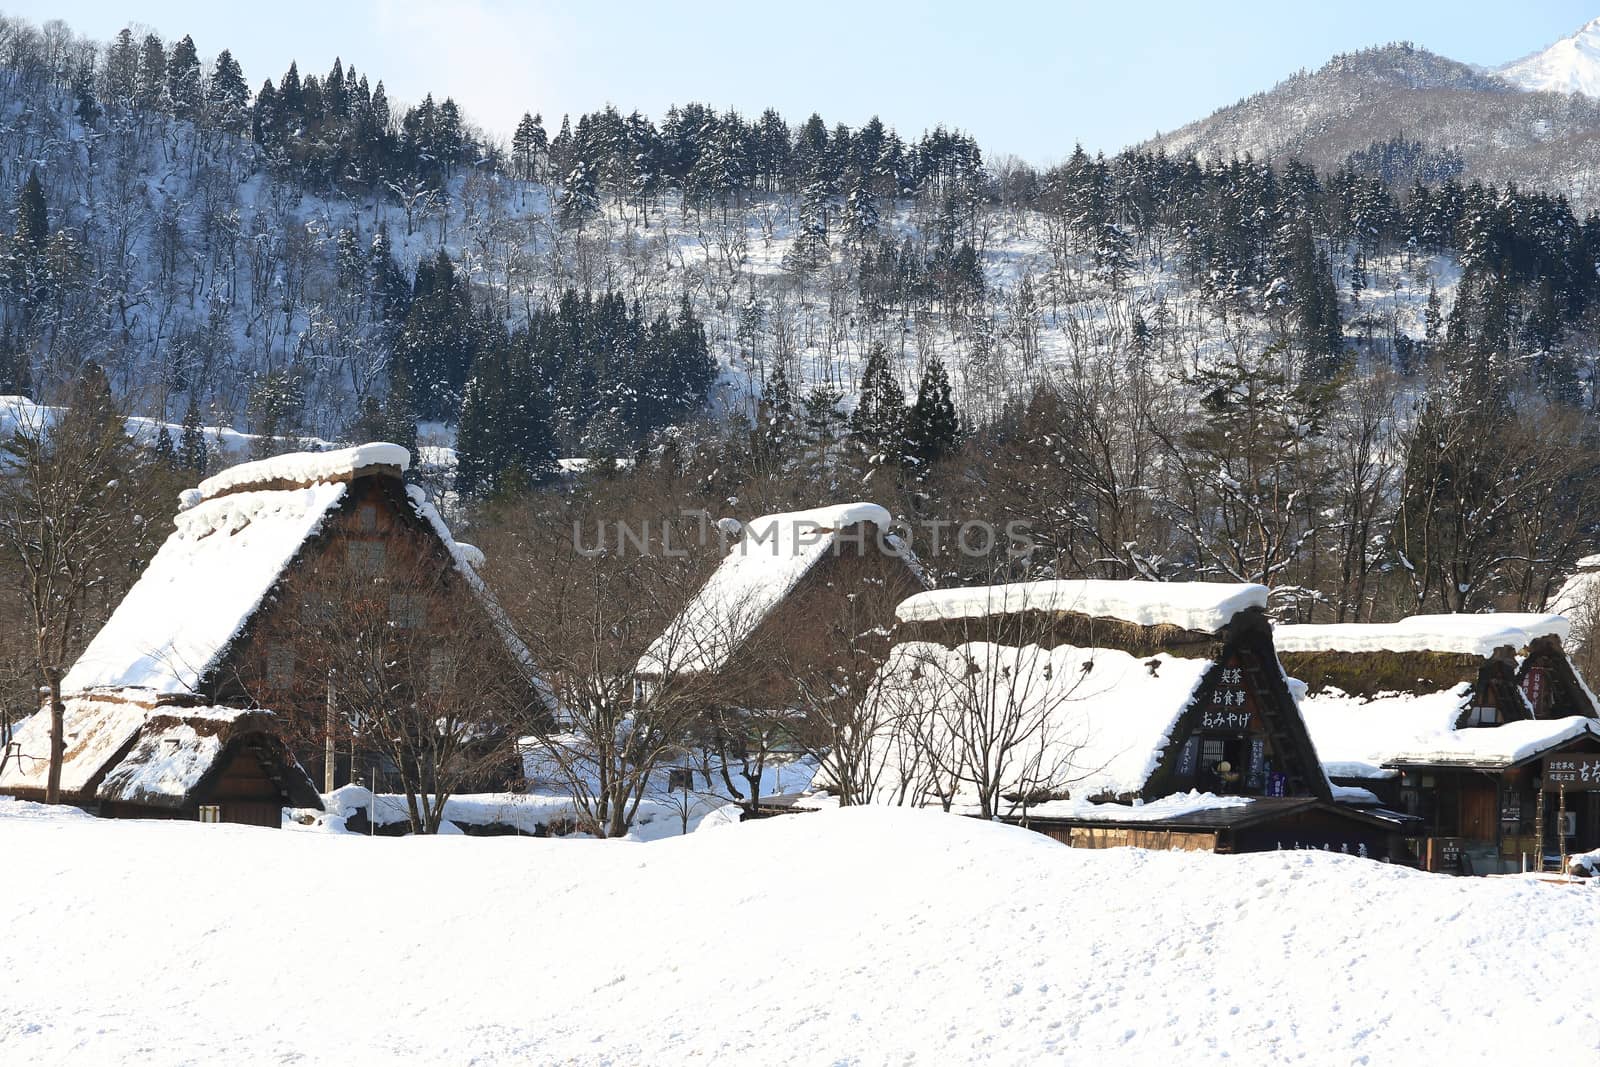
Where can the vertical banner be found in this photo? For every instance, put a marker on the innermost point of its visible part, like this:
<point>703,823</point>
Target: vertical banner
<point>1533,686</point>
<point>1257,776</point>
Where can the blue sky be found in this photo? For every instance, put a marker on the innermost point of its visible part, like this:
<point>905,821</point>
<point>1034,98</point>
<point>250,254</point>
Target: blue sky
<point>1025,78</point>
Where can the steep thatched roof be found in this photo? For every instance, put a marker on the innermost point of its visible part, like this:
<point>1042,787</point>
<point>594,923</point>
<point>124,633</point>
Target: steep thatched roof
<point>1125,672</point>
<point>177,756</point>
<point>1368,674</point>
<point>124,752</point>
<point>96,734</point>
<point>773,557</point>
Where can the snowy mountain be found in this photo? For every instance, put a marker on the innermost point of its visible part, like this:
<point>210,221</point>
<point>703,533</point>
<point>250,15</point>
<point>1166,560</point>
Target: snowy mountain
<point>1502,133</point>
<point>1571,65</point>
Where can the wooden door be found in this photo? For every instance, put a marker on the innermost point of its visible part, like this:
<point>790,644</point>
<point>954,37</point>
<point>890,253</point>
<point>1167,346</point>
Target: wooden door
<point>1478,812</point>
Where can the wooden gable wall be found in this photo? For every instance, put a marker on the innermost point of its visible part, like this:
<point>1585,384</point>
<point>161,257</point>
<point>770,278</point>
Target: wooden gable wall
<point>1243,706</point>
<point>1551,684</point>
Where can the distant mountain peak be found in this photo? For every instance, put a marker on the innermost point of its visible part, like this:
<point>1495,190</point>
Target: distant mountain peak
<point>1571,65</point>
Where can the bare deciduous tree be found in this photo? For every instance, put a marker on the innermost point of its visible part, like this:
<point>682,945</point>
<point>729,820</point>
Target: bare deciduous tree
<point>591,600</point>
<point>69,520</point>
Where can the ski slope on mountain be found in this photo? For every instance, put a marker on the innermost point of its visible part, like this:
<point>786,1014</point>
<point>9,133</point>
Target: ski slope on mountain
<point>1571,65</point>
<point>853,936</point>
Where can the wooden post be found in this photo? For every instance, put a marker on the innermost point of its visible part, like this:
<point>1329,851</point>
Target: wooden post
<point>329,757</point>
<point>1538,830</point>
<point>1561,823</point>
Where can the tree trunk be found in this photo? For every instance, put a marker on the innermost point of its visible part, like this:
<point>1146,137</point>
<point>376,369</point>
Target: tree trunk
<point>58,739</point>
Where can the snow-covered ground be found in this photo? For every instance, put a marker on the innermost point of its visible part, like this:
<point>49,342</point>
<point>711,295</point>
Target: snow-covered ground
<point>852,936</point>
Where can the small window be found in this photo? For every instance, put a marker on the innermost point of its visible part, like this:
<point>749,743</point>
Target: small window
<point>407,612</point>
<point>280,666</point>
<point>366,557</point>
<point>315,611</point>
<point>439,670</point>
<point>210,813</point>
<point>1483,715</point>
<point>367,518</point>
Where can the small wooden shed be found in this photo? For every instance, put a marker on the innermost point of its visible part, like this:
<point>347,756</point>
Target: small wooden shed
<point>125,760</point>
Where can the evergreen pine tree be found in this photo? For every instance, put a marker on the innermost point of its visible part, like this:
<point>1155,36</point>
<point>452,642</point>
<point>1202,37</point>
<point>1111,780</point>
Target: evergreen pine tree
<point>822,429</point>
<point>522,151</point>
<point>33,221</point>
<point>878,423</point>
<point>166,453</point>
<point>192,452</point>
<point>227,95</point>
<point>150,91</point>
<point>933,430</point>
<point>183,79</point>
<point>1432,319</point>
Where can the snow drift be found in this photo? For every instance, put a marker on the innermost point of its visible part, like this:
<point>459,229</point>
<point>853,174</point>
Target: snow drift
<point>853,936</point>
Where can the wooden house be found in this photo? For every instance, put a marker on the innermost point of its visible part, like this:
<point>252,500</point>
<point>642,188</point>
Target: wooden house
<point>1163,718</point>
<point>207,624</point>
<point>775,600</point>
<point>1449,718</point>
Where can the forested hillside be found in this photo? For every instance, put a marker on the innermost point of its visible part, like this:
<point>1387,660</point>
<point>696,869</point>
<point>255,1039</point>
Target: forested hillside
<point>1370,386</point>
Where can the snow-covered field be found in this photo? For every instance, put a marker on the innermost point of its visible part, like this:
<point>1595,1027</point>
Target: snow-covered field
<point>853,936</point>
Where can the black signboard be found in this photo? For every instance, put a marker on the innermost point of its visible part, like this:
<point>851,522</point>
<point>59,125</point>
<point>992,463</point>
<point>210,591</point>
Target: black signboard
<point>1575,773</point>
<point>1232,706</point>
<point>1189,758</point>
<point>1445,854</point>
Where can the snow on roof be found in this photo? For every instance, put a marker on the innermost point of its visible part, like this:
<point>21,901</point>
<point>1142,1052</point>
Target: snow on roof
<point>163,766</point>
<point>95,730</point>
<point>1576,594</point>
<point>1203,606</point>
<point>769,560</point>
<point>19,412</point>
<point>200,589</point>
<point>1354,737</point>
<point>1496,746</point>
<point>1473,635</point>
<point>305,468</point>
<point>1106,716</point>
<point>1162,808</point>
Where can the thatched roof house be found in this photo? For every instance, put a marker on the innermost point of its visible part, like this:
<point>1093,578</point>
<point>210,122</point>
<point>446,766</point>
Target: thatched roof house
<point>127,760</point>
<point>1163,717</point>
<point>182,631</point>
<point>200,628</point>
<point>784,578</point>
<point>1448,717</point>
<point>1377,692</point>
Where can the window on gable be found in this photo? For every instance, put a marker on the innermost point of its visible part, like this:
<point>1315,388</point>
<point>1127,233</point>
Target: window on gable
<point>280,666</point>
<point>439,670</point>
<point>367,518</point>
<point>1483,715</point>
<point>315,611</point>
<point>366,557</point>
<point>407,611</point>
